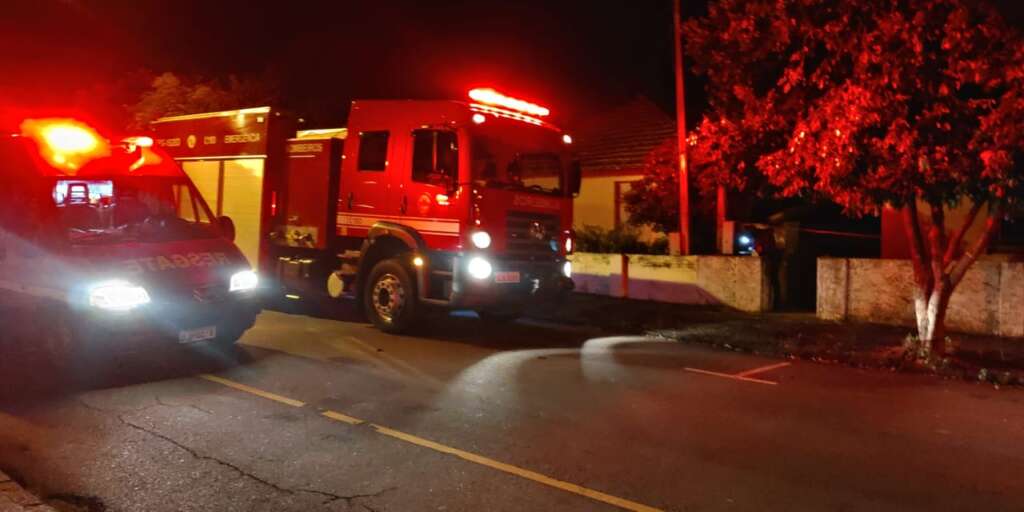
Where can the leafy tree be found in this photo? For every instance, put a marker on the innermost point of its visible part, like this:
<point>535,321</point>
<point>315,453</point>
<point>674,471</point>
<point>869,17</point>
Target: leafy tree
<point>171,95</point>
<point>654,200</point>
<point>916,104</point>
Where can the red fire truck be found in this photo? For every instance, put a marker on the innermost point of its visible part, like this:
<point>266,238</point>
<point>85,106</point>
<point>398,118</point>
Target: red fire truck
<point>414,204</point>
<point>106,240</point>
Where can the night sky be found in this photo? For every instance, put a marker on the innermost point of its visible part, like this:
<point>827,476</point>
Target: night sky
<point>575,56</point>
<point>578,57</point>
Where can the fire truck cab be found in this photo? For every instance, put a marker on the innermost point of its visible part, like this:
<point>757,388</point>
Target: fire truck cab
<point>415,204</point>
<point>106,241</point>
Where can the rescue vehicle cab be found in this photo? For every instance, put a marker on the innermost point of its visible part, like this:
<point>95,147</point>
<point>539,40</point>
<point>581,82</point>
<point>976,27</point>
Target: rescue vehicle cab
<point>106,240</point>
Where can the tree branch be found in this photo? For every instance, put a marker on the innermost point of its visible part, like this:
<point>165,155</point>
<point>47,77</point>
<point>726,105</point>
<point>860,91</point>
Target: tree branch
<point>917,250</point>
<point>954,243</point>
<point>995,217</point>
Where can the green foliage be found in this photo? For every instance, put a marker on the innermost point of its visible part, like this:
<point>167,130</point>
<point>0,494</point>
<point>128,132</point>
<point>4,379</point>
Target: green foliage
<point>621,240</point>
<point>171,95</point>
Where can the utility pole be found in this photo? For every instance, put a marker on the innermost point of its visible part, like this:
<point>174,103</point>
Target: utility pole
<point>684,175</point>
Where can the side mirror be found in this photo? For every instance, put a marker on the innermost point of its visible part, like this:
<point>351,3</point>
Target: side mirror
<point>227,227</point>
<point>575,178</point>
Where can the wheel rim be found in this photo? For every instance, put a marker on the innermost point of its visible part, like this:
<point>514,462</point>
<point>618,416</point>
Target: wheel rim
<point>388,297</point>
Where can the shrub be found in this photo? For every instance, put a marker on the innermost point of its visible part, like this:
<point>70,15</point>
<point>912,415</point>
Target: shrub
<point>621,240</point>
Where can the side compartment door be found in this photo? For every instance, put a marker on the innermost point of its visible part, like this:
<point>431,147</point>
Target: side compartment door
<point>366,182</point>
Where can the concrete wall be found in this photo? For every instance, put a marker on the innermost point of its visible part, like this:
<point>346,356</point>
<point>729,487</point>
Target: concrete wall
<point>734,281</point>
<point>989,300</point>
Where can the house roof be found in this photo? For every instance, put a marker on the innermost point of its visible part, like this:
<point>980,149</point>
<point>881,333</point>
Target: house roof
<point>621,138</point>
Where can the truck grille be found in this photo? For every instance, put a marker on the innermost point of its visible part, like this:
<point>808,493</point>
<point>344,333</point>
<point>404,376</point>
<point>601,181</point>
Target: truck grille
<point>210,294</point>
<point>532,235</point>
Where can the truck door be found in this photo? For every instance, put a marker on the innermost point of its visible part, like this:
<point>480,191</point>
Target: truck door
<point>366,181</point>
<point>426,188</point>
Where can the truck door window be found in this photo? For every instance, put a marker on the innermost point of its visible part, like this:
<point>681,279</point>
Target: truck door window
<point>373,151</point>
<point>435,156</point>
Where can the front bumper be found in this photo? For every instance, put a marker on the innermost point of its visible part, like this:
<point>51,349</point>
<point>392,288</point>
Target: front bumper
<point>165,321</point>
<point>511,283</point>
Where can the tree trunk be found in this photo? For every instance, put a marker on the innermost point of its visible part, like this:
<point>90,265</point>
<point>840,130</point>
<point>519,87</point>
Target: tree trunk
<point>938,270</point>
<point>931,320</point>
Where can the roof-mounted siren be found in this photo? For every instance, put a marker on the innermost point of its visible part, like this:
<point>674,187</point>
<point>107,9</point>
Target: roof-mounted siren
<point>65,143</point>
<point>490,101</point>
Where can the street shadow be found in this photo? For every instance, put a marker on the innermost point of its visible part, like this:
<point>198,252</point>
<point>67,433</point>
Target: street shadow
<point>28,376</point>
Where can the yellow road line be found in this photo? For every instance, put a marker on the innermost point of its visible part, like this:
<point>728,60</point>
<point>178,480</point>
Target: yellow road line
<point>513,470</point>
<point>344,418</point>
<point>731,376</point>
<point>471,457</point>
<point>253,391</point>
<point>762,369</point>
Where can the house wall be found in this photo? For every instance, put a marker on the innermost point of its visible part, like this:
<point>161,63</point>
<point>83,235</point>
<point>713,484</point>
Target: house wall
<point>989,300</point>
<point>595,206</point>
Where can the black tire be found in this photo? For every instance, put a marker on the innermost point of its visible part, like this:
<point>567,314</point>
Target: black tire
<point>389,297</point>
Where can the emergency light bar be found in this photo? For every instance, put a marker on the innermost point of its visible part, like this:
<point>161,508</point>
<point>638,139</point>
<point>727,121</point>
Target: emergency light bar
<point>508,114</point>
<point>489,96</point>
<point>69,137</point>
<point>65,143</point>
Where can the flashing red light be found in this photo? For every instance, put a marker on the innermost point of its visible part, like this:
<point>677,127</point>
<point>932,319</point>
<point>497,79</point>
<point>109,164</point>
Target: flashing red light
<point>505,113</point>
<point>65,143</point>
<point>489,96</point>
<point>479,118</point>
<point>566,138</point>
<point>70,138</point>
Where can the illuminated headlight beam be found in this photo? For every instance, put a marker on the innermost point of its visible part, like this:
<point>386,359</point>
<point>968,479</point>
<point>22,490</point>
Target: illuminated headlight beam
<point>244,281</point>
<point>118,296</point>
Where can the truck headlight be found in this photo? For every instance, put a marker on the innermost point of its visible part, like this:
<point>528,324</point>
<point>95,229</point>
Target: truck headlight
<point>244,280</point>
<point>481,239</point>
<point>567,269</point>
<point>479,268</point>
<point>117,296</point>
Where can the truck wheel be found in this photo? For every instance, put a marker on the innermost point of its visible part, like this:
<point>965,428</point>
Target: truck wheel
<point>389,298</point>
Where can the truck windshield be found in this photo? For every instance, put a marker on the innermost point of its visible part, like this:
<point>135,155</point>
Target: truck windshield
<point>510,154</point>
<point>131,209</point>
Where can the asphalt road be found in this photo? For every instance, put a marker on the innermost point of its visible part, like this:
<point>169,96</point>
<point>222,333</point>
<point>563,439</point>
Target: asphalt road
<point>320,414</point>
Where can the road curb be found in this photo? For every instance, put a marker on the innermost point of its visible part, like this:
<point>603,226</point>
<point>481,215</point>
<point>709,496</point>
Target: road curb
<point>14,498</point>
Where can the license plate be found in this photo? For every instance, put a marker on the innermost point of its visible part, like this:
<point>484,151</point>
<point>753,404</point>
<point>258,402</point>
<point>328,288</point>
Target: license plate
<point>506,277</point>
<point>200,334</point>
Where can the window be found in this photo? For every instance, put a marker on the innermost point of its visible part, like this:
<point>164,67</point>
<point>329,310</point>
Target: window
<point>621,188</point>
<point>373,151</point>
<point>435,157</point>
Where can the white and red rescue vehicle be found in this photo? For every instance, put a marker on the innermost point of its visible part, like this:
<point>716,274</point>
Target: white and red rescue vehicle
<point>414,204</point>
<point>106,240</point>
